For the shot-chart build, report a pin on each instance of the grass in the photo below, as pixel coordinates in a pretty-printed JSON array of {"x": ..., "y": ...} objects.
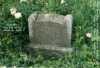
[{"x": 86, "y": 19}]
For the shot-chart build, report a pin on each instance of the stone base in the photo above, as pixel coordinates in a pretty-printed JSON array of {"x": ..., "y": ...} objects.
[{"x": 50, "y": 48}]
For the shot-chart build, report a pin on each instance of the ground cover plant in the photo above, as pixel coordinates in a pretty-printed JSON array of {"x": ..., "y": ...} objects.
[{"x": 85, "y": 38}]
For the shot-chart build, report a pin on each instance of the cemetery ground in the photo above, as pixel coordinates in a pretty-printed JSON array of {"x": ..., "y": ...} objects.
[{"x": 85, "y": 36}]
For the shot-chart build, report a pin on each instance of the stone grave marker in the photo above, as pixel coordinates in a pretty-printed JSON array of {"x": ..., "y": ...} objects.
[{"x": 50, "y": 32}]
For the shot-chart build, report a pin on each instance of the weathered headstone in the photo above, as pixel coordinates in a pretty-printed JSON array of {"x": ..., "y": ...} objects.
[{"x": 50, "y": 32}]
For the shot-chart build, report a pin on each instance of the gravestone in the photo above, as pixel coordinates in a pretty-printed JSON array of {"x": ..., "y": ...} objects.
[{"x": 50, "y": 32}]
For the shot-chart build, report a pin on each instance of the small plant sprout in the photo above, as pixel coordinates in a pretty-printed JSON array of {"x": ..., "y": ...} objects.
[
  {"x": 62, "y": 1},
  {"x": 23, "y": 1},
  {"x": 13, "y": 11},
  {"x": 88, "y": 35},
  {"x": 17, "y": 15}
]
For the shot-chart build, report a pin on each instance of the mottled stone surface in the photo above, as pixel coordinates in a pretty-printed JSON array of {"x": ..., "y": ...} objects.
[{"x": 50, "y": 31}]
